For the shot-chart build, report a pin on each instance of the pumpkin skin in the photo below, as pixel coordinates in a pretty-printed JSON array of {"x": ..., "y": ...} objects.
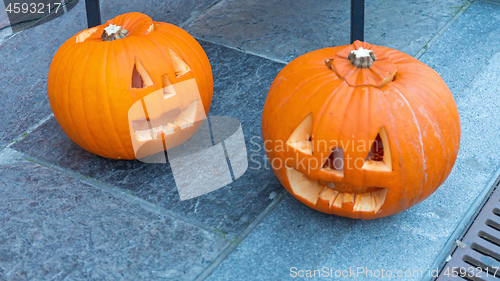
[
  {"x": 93, "y": 84},
  {"x": 314, "y": 108}
]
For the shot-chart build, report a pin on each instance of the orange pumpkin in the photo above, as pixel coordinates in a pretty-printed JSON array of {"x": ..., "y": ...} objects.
[
  {"x": 131, "y": 87},
  {"x": 360, "y": 131}
]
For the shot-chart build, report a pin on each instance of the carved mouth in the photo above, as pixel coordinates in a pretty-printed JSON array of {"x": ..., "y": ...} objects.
[
  {"x": 369, "y": 201},
  {"x": 171, "y": 121}
]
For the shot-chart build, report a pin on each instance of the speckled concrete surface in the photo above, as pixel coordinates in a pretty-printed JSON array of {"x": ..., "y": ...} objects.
[
  {"x": 56, "y": 227},
  {"x": 124, "y": 219},
  {"x": 284, "y": 31},
  {"x": 24, "y": 64},
  {"x": 171, "y": 11}
]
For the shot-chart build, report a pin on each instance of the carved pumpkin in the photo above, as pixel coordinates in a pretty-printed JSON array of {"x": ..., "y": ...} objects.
[
  {"x": 131, "y": 87},
  {"x": 360, "y": 131}
]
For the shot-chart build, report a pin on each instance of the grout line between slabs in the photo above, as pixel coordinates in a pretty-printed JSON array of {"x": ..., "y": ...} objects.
[
  {"x": 196, "y": 14},
  {"x": 443, "y": 30},
  {"x": 242, "y": 51},
  {"x": 419, "y": 54},
  {"x": 25, "y": 133},
  {"x": 222, "y": 256},
  {"x": 191, "y": 18}
]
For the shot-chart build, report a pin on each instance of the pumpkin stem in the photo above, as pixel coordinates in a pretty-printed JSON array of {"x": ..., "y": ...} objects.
[
  {"x": 362, "y": 58},
  {"x": 113, "y": 32}
]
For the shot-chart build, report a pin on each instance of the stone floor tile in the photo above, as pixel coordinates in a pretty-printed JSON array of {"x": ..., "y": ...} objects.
[
  {"x": 284, "y": 31},
  {"x": 57, "y": 227}
]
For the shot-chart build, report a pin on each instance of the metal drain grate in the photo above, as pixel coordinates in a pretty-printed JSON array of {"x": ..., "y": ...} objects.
[{"x": 477, "y": 254}]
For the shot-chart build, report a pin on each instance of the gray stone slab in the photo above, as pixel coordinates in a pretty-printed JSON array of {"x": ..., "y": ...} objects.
[
  {"x": 293, "y": 235},
  {"x": 283, "y": 31},
  {"x": 24, "y": 64},
  {"x": 462, "y": 51},
  {"x": 410, "y": 240},
  {"x": 171, "y": 11},
  {"x": 56, "y": 227},
  {"x": 241, "y": 84}
]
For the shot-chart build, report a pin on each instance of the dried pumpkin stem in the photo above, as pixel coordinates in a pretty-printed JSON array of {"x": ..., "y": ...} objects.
[
  {"x": 362, "y": 58},
  {"x": 113, "y": 32}
]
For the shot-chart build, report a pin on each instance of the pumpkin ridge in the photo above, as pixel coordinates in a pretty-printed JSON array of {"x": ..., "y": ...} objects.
[
  {"x": 114, "y": 131},
  {"x": 73, "y": 125},
  {"x": 320, "y": 84},
  {"x": 84, "y": 101},
  {"x": 298, "y": 87},
  {"x": 60, "y": 63},
  {"x": 320, "y": 119},
  {"x": 420, "y": 138},
  {"x": 324, "y": 82},
  {"x": 332, "y": 95},
  {"x": 437, "y": 96},
  {"x": 348, "y": 105},
  {"x": 438, "y": 129},
  {"x": 129, "y": 61}
]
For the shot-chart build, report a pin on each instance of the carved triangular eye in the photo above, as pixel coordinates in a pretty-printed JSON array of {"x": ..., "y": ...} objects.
[
  {"x": 379, "y": 156},
  {"x": 168, "y": 87},
  {"x": 335, "y": 162},
  {"x": 301, "y": 136},
  {"x": 140, "y": 77},
  {"x": 180, "y": 66}
]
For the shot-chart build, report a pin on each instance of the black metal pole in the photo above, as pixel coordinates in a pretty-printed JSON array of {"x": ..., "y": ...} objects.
[
  {"x": 357, "y": 20},
  {"x": 93, "y": 13}
]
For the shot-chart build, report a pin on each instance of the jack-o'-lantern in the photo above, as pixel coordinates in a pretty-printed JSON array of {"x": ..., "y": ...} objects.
[
  {"x": 131, "y": 87},
  {"x": 360, "y": 131}
]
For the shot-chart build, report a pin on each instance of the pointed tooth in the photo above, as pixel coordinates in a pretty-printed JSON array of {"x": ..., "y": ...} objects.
[
  {"x": 379, "y": 198},
  {"x": 374, "y": 203},
  {"x": 326, "y": 193},
  {"x": 339, "y": 200},
  {"x": 363, "y": 202},
  {"x": 302, "y": 186},
  {"x": 348, "y": 197},
  {"x": 332, "y": 199}
]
